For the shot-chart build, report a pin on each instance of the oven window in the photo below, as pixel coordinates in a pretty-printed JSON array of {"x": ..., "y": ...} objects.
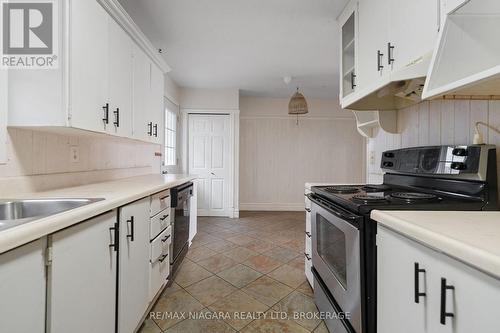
[{"x": 331, "y": 245}]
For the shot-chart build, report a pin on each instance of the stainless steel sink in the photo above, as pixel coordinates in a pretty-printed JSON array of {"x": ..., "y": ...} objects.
[{"x": 16, "y": 212}]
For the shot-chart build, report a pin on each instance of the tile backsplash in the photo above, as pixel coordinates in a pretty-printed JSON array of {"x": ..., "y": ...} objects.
[
  {"x": 437, "y": 122},
  {"x": 40, "y": 161}
]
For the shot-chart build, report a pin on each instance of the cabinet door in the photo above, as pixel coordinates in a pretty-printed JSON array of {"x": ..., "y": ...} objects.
[
  {"x": 133, "y": 282},
  {"x": 141, "y": 95},
  {"x": 397, "y": 310},
  {"x": 120, "y": 80},
  {"x": 348, "y": 48},
  {"x": 473, "y": 302},
  {"x": 413, "y": 30},
  {"x": 22, "y": 289},
  {"x": 88, "y": 65},
  {"x": 82, "y": 277},
  {"x": 373, "y": 23},
  {"x": 157, "y": 104}
]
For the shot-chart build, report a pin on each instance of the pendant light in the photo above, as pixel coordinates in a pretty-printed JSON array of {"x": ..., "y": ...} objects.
[{"x": 297, "y": 105}]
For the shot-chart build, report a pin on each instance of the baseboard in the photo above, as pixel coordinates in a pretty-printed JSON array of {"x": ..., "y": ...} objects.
[{"x": 287, "y": 207}]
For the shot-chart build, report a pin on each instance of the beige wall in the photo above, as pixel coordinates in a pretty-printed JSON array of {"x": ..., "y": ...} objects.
[
  {"x": 277, "y": 157},
  {"x": 40, "y": 161},
  {"x": 435, "y": 123}
]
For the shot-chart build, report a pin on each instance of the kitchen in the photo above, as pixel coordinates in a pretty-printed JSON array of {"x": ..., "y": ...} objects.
[{"x": 269, "y": 166}]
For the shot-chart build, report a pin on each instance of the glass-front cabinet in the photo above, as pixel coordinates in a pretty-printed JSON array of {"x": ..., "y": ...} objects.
[{"x": 348, "y": 49}]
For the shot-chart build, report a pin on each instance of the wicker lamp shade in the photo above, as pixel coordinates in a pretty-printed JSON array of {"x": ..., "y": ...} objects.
[{"x": 297, "y": 104}]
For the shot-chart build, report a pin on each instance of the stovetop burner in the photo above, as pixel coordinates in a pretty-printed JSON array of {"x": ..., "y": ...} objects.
[
  {"x": 376, "y": 188},
  {"x": 342, "y": 189},
  {"x": 368, "y": 199},
  {"x": 414, "y": 196}
]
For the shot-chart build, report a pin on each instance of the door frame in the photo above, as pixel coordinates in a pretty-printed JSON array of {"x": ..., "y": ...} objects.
[{"x": 234, "y": 151}]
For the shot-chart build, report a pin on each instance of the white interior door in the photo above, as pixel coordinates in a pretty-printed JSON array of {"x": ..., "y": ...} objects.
[{"x": 209, "y": 159}]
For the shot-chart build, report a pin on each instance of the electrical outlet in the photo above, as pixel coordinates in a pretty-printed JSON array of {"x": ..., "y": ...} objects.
[{"x": 74, "y": 154}]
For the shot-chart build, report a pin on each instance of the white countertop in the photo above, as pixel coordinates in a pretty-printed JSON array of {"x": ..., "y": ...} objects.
[
  {"x": 471, "y": 237},
  {"x": 115, "y": 194}
]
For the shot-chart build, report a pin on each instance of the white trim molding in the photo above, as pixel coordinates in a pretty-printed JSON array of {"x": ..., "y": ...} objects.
[
  {"x": 284, "y": 207},
  {"x": 116, "y": 10}
]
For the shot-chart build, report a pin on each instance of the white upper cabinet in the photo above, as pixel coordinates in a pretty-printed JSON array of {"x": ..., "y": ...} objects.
[
  {"x": 120, "y": 80},
  {"x": 348, "y": 49},
  {"x": 94, "y": 88}
]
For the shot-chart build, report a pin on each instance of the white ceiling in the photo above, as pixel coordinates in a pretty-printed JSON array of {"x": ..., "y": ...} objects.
[{"x": 246, "y": 44}]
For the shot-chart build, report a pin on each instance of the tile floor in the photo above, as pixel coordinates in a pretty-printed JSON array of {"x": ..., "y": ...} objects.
[{"x": 237, "y": 270}]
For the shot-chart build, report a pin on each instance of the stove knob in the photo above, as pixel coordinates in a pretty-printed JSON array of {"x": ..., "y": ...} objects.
[
  {"x": 388, "y": 164},
  {"x": 389, "y": 155},
  {"x": 459, "y": 151},
  {"x": 458, "y": 166}
]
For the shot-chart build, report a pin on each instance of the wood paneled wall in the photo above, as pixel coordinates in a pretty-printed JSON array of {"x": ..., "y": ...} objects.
[{"x": 435, "y": 123}]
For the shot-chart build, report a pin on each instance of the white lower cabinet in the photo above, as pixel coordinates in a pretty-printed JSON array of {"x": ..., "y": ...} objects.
[
  {"x": 308, "y": 241},
  {"x": 133, "y": 276},
  {"x": 22, "y": 289},
  {"x": 452, "y": 297},
  {"x": 82, "y": 277}
]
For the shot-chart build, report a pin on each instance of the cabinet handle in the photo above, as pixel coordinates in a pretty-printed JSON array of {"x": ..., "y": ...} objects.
[
  {"x": 155, "y": 130},
  {"x": 163, "y": 257},
  {"x": 117, "y": 117},
  {"x": 308, "y": 234},
  {"x": 307, "y": 256},
  {"x": 114, "y": 243},
  {"x": 163, "y": 217},
  {"x": 390, "y": 48},
  {"x": 418, "y": 294},
  {"x": 105, "y": 108},
  {"x": 308, "y": 210},
  {"x": 132, "y": 233},
  {"x": 379, "y": 61},
  {"x": 353, "y": 76},
  {"x": 164, "y": 239},
  {"x": 444, "y": 289},
  {"x": 150, "y": 128}
]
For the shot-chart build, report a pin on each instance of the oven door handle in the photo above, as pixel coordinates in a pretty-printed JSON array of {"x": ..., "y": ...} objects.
[{"x": 331, "y": 209}]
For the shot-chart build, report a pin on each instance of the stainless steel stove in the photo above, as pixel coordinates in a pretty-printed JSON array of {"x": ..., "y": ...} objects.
[{"x": 343, "y": 235}]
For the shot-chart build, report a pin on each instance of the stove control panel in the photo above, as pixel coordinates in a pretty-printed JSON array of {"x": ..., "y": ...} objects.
[{"x": 468, "y": 162}]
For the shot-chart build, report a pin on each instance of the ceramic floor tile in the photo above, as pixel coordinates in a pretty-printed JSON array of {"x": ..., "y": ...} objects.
[
  {"x": 202, "y": 323},
  {"x": 211, "y": 289},
  {"x": 260, "y": 246},
  {"x": 199, "y": 253},
  {"x": 226, "y": 234},
  {"x": 241, "y": 308},
  {"x": 306, "y": 289},
  {"x": 240, "y": 254},
  {"x": 321, "y": 328},
  {"x": 170, "y": 290},
  {"x": 190, "y": 273},
  {"x": 298, "y": 262},
  {"x": 262, "y": 263},
  {"x": 273, "y": 326},
  {"x": 239, "y": 275},
  {"x": 217, "y": 263},
  {"x": 204, "y": 238},
  {"x": 149, "y": 326},
  {"x": 288, "y": 275},
  {"x": 177, "y": 302},
  {"x": 267, "y": 290},
  {"x": 282, "y": 254},
  {"x": 299, "y": 303},
  {"x": 221, "y": 246},
  {"x": 296, "y": 245},
  {"x": 241, "y": 240}
]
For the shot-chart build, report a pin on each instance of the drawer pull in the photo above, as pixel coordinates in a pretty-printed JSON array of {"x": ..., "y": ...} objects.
[
  {"x": 164, "y": 239},
  {"x": 307, "y": 256},
  {"x": 165, "y": 197},
  {"x": 417, "y": 292},
  {"x": 132, "y": 233},
  {"x": 163, "y": 257},
  {"x": 308, "y": 234},
  {"x": 444, "y": 289},
  {"x": 308, "y": 210},
  {"x": 163, "y": 217}
]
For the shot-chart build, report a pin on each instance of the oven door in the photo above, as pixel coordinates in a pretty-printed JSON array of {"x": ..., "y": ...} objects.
[{"x": 336, "y": 255}]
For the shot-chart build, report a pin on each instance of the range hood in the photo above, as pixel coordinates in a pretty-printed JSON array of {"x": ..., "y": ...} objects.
[
  {"x": 397, "y": 90},
  {"x": 466, "y": 63}
]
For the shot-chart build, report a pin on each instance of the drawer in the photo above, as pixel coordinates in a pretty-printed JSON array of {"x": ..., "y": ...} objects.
[
  {"x": 325, "y": 305},
  {"x": 308, "y": 244},
  {"x": 159, "y": 272},
  {"x": 159, "y": 202},
  {"x": 308, "y": 221},
  {"x": 308, "y": 271},
  {"x": 159, "y": 222},
  {"x": 160, "y": 245}
]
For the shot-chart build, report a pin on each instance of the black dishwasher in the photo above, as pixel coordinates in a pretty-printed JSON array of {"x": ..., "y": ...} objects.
[{"x": 180, "y": 206}]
